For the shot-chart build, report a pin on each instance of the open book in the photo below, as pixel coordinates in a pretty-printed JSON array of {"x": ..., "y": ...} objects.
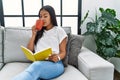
[{"x": 41, "y": 55}]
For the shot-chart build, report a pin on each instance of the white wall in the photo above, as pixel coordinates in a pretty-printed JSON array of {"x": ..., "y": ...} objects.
[{"x": 93, "y": 6}]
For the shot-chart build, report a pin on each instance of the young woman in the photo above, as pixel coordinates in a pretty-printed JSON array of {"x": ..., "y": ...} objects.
[{"x": 49, "y": 36}]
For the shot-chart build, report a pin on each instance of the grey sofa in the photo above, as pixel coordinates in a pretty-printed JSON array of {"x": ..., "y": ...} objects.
[{"x": 13, "y": 61}]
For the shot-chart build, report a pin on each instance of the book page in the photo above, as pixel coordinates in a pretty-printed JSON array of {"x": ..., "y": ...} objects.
[
  {"x": 42, "y": 55},
  {"x": 28, "y": 53}
]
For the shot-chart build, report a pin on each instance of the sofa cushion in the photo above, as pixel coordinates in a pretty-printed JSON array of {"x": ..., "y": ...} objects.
[
  {"x": 75, "y": 44},
  {"x": 65, "y": 60},
  {"x": 9, "y": 71},
  {"x": 1, "y": 43},
  {"x": 67, "y": 29},
  {"x": 13, "y": 39},
  {"x": 12, "y": 69},
  {"x": 116, "y": 62},
  {"x": 71, "y": 73}
]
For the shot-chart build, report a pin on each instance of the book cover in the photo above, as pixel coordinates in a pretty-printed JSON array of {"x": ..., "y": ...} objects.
[{"x": 41, "y": 55}]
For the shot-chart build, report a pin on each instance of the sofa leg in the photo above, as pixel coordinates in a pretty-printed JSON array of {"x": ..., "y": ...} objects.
[{"x": 116, "y": 75}]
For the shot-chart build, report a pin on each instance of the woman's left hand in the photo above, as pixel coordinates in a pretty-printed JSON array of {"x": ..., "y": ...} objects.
[{"x": 54, "y": 58}]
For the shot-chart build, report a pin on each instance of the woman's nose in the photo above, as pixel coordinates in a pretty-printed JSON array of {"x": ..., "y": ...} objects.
[{"x": 42, "y": 19}]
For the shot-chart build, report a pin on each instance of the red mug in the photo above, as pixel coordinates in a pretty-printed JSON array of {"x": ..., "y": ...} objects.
[{"x": 39, "y": 24}]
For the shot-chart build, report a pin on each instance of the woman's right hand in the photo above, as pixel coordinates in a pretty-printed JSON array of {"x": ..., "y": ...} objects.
[
  {"x": 34, "y": 31},
  {"x": 30, "y": 45}
]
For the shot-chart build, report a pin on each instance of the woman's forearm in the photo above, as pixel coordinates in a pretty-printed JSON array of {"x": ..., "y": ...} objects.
[{"x": 30, "y": 45}]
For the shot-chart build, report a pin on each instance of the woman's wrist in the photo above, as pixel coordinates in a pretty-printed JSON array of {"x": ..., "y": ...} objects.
[{"x": 58, "y": 57}]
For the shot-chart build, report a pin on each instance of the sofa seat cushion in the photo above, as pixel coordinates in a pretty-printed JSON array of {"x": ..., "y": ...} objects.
[
  {"x": 71, "y": 73},
  {"x": 12, "y": 69}
]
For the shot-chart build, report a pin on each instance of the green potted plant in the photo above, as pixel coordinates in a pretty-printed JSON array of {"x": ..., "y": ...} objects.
[{"x": 106, "y": 32}]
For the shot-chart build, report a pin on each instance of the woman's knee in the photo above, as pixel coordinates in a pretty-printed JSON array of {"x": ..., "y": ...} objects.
[
  {"x": 37, "y": 63},
  {"x": 34, "y": 66}
]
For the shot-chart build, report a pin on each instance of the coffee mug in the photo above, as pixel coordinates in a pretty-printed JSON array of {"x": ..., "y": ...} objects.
[{"x": 39, "y": 24}]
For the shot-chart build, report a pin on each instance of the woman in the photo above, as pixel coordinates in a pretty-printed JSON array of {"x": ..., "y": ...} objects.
[{"x": 49, "y": 36}]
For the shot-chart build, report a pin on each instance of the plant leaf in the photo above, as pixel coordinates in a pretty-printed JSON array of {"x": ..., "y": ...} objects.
[
  {"x": 118, "y": 53},
  {"x": 118, "y": 38},
  {"x": 101, "y": 9},
  {"x": 109, "y": 52},
  {"x": 91, "y": 27},
  {"x": 86, "y": 15}
]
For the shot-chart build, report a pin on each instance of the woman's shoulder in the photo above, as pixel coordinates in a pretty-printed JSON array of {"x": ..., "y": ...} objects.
[{"x": 59, "y": 28}]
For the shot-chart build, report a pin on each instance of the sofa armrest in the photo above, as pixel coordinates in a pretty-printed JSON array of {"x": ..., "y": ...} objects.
[
  {"x": 93, "y": 66},
  {"x": 1, "y": 65}
]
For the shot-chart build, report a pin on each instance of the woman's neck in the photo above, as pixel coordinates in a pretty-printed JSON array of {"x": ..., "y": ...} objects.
[{"x": 49, "y": 27}]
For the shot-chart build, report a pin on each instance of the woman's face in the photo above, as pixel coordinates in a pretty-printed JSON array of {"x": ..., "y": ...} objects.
[{"x": 45, "y": 16}]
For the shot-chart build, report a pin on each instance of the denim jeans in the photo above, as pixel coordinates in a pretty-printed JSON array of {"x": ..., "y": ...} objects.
[{"x": 41, "y": 70}]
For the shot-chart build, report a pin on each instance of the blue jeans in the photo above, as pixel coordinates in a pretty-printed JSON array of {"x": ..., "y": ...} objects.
[{"x": 41, "y": 70}]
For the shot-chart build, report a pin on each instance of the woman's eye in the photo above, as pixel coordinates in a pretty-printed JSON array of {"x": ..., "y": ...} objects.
[{"x": 45, "y": 16}]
